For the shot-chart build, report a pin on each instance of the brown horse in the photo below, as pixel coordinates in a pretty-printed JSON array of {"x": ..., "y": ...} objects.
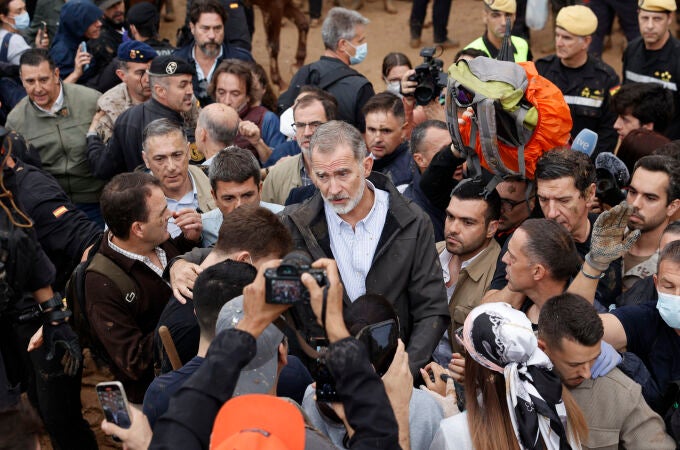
[{"x": 273, "y": 12}]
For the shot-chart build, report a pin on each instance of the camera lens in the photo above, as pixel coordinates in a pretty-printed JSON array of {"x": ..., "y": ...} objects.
[{"x": 424, "y": 92}]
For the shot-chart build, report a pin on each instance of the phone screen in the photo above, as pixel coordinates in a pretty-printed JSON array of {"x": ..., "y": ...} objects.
[{"x": 114, "y": 404}]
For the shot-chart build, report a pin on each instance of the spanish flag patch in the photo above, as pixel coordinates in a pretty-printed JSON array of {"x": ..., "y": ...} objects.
[{"x": 59, "y": 211}]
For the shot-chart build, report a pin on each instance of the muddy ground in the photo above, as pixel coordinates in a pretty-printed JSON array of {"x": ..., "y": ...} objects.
[{"x": 386, "y": 33}]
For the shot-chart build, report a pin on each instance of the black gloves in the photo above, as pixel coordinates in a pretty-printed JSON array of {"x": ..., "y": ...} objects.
[{"x": 57, "y": 333}]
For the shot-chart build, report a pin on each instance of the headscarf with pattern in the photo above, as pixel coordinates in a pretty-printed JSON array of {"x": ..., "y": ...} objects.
[{"x": 501, "y": 339}]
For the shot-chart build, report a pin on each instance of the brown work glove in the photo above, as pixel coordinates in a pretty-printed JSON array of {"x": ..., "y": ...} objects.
[{"x": 609, "y": 239}]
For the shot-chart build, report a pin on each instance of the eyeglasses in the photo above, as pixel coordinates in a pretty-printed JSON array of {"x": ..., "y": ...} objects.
[
  {"x": 509, "y": 205},
  {"x": 312, "y": 125}
]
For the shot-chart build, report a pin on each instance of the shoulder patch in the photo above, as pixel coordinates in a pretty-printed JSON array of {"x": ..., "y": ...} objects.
[{"x": 59, "y": 211}]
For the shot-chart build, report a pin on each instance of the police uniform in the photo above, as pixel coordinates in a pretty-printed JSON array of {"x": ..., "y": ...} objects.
[
  {"x": 25, "y": 268},
  {"x": 123, "y": 152},
  {"x": 117, "y": 99},
  {"x": 587, "y": 89},
  {"x": 64, "y": 232},
  {"x": 656, "y": 66},
  {"x": 520, "y": 47}
]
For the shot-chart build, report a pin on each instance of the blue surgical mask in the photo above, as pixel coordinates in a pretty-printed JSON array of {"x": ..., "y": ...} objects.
[
  {"x": 669, "y": 308},
  {"x": 22, "y": 21},
  {"x": 359, "y": 55}
]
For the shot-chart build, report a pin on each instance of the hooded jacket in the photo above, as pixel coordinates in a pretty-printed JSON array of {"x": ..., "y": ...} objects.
[{"x": 75, "y": 18}]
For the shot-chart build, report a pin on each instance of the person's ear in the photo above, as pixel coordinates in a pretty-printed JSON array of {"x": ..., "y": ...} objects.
[
  {"x": 242, "y": 256},
  {"x": 212, "y": 192},
  {"x": 655, "y": 277},
  {"x": 137, "y": 230},
  {"x": 673, "y": 207},
  {"x": 648, "y": 126},
  {"x": 590, "y": 193},
  {"x": 368, "y": 166},
  {"x": 541, "y": 345},
  {"x": 419, "y": 160},
  {"x": 145, "y": 157},
  {"x": 283, "y": 355},
  {"x": 491, "y": 229},
  {"x": 538, "y": 272},
  {"x": 120, "y": 74}
]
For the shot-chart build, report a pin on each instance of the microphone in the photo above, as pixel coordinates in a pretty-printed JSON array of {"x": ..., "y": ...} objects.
[{"x": 585, "y": 142}]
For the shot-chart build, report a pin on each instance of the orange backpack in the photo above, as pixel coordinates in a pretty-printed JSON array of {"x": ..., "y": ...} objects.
[{"x": 518, "y": 115}]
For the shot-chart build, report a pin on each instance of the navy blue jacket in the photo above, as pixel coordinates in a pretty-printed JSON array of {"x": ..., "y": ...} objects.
[
  {"x": 228, "y": 52},
  {"x": 75, "y": 18}
]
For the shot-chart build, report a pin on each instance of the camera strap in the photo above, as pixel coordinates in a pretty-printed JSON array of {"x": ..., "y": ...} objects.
[{"x": 284, "y": 322}]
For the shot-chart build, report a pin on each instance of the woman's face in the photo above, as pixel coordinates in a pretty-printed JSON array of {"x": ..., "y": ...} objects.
[{"x": 396, "y": 73}]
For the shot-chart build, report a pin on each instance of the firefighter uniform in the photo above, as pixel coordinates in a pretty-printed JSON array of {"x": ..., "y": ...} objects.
[
  {"x": 587, "y": 89},
  {"x": 656, "y": 66}
]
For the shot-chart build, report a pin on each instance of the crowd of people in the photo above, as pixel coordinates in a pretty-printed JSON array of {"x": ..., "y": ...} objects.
[{"x": 339, "y": 267}]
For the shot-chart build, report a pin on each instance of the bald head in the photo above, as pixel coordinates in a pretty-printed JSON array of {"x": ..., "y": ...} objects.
[{"x": 216, "y": 128}]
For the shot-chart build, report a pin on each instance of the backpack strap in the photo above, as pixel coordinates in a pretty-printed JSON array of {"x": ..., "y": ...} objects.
[
  {"x": 4, "y": 47},
  {"x": 105, "y": 266}
]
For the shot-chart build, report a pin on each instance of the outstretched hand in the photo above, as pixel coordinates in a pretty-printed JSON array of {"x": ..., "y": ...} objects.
[{"x": 610, "y": 238}]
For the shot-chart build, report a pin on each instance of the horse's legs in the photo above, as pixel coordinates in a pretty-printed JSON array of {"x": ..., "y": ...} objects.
[{"x": 302, "y": 24}]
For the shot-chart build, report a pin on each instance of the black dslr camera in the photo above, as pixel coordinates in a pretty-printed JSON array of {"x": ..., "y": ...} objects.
[
  {"x": 284, "y": 287},
  {"x": 430, "y": 77}
]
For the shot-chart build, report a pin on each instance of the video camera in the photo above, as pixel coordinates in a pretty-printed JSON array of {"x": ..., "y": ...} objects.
[{"x": 430, "y": 77}]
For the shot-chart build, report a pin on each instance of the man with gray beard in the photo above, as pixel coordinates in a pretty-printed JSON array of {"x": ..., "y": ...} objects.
[{"x": 382, "y": 243}]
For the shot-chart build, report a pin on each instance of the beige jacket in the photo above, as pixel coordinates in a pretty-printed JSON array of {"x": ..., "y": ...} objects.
[
  {"x": 473, "y": 281},
  {"x": 618, "y": 416},
  {"x": 206, "y": 202},
  {"x": 283, "y": 177}
]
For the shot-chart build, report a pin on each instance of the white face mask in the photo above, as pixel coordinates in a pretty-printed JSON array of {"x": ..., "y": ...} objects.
[
  {"x": 394, "y": 87},
  {"x": 668, "y": 306}
]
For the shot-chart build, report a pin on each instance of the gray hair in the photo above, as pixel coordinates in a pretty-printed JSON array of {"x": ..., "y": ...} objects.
[
  {"x": 218, "y": 129},
  {"x": 340, "y": 23},
  {"x": 161, "y": 127},
  {"x": 330, "y": 135},
  {"x": 155, "y": 80},
  {"x": 234, "y": 164}
]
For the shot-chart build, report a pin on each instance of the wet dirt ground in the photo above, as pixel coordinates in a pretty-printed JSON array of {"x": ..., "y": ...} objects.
[{"x": 386, "y": 33}]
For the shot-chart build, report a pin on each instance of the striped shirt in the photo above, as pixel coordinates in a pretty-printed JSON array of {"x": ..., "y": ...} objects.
[{"x": 353, "y": 249}]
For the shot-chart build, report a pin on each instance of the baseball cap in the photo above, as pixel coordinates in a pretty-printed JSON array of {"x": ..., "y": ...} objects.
[
  {"x": 259, "y": 376},
  {"x": 508, "y": 6},
  {"x": 577, "y": 19},
  {"x": 258, "y": 422}
]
